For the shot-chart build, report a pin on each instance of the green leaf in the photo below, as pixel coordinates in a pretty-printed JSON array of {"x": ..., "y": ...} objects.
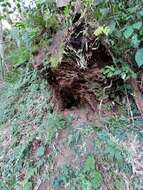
[
  {"x": 30, "y": 173},
  {"x": 27, "y": 186},
  {"x": 97, "y": 13},
  {"x": 123, "y": 75},
  {"x": 96, "y": 180},
  {"x": 135, "y": 41},
  {"x": 137, "y": 25},
  {"x": 40, "y": 151},
  {"x": 86, "y": 185},
  {"x": 1, "y": 17},
  {"x": 141, "y": 12},
  {"x": 139, "y": 57},
  {"x": 19, "y": 56},
  {"x": 128, "y": 32},
  {"x": 112, "y": 26},
  {"x": 66, "y": 11},
  {"x": 89, "y": 164}
]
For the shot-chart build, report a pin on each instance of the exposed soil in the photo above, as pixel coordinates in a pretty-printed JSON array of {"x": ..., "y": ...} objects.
[
  {"x": 70, "y": 81},
  {"x": 75, "y": 84},
  {"x": 83, "y": 60}
]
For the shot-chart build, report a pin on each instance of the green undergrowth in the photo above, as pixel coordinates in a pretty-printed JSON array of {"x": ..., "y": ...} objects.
[
  {"x": 106, "y": 159},
  {"x": 25, "y": 113},
  {"x": 39, "y": 146},
  {"x": 88, "y": 177},
  {"x": 30, "y": 144}
]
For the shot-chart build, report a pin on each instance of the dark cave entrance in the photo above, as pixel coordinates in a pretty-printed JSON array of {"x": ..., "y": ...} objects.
[
  {"x": 68, "y": 99},
  {"x": 70, "y": 81}
]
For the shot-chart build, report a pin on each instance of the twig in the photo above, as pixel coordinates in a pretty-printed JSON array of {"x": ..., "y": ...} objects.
[
  {"x": 38, "y": 184},
  {"x": 130, "y": 109},
  {"x": 101, "y": 102}
]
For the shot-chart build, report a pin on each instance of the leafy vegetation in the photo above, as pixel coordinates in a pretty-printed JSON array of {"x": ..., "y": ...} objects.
[
  {"x": 87, "y": 178},
  {"x": 59, "y": 63}
]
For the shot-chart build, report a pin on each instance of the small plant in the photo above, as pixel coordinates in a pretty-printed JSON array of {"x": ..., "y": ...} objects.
[
  {"x": 124, "y": 72},
  {"x": 87, "y": 178},
  {"x": 12, "y": 76},
  {"x": 90, "y": 177},
  {"x": 31, "y": 132},
  {"x": 139, "y": 57},
  {"x": 101, "y": 30},
  {"x": 19, "y": 56}
]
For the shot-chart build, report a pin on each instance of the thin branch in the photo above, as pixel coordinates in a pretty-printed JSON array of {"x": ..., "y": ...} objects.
[{"x": 101, "y": 102}]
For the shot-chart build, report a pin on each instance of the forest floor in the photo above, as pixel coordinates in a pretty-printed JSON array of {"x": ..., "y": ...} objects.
[
  {"x": 70, "y": 128},
  {"x": 77, "y": 148}
]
